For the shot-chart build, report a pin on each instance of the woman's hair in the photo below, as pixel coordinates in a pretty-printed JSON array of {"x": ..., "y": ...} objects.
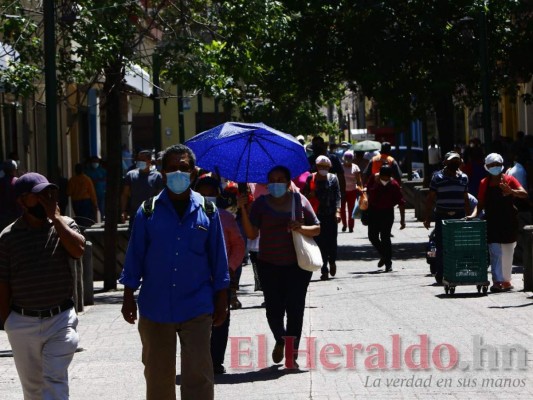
[
  {"x": 178, "y": 149},
  {"x": 284, "y": 170}
]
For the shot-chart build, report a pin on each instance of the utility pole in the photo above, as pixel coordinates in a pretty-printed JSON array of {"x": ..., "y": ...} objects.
[
  {"x": 50, "y": 88},
  {"x": 157, "y": 102},
  {"x": 485, "y": 77}
]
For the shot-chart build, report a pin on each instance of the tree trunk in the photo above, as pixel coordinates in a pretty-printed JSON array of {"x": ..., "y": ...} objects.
[
  {"x": 113, "y": 83},
  {"x": 444, "y": 110}
]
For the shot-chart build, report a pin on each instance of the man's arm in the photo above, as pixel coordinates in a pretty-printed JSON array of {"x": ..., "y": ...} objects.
[
  {"x": 71, "y": 240},
  {"x": 218, "y": 261}
]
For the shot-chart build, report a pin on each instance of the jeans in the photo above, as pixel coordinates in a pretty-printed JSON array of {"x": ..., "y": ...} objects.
[
  {"x": 379, "y": 230},
  {"x": 43, "y": 350},
  {"x": 159, "y": 358},
  {"x": 348, "y": 202},
  {"x": 284, "y": 288},
  {"x": 501, "y": 261}
]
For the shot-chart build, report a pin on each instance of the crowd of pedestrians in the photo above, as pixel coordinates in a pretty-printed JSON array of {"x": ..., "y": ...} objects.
[{"x": 191, "y": 231}]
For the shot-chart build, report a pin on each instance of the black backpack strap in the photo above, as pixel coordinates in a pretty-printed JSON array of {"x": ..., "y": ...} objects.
[
  {"x": 148, "y": 207},
  {"x": 208, "y": 206}
]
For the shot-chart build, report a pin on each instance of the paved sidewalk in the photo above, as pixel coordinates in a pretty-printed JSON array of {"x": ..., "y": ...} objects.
[{"x": 371, "y": 312}]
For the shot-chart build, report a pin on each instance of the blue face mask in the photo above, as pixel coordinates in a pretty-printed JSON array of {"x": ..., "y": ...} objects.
[
  {"x": 140, "y": 164},
  {"x": 178, "y": 182},
  {"x": 277, "y": 189},
  {"x": 495, "y": 170}
]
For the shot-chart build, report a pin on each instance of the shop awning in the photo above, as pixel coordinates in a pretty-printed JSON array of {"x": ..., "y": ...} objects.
[{"x": 138, "y": 79}]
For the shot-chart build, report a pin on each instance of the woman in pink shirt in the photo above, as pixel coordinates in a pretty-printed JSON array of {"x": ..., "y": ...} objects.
[{"x": 209, "y": 187}]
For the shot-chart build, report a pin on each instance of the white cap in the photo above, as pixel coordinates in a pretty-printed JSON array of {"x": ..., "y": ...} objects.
[{"x": 493, "y": 158}]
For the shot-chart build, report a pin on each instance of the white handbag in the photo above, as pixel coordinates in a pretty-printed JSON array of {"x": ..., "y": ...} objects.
[{"x": 307, "y": 251}]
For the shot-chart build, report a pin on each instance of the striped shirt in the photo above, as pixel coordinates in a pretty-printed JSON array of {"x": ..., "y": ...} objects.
[
  {"x": 275, "y": 244},
  {"x": 450, "y": 190},
  {"x": 35, "y": 265}
]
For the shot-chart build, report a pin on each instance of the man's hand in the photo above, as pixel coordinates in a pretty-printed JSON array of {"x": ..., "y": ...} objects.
[
  {"x": 242, "y": 201},
  {"x": 129, "y": 310},
  {"x": 338, "y": 216},
  {"x": 427, "y": 223},
  {"x": 221, "y": 308},
  {"x": 506, "y": 189},
  {"x": 123, "y": 217},
  {"x": 49, "y": 202}
]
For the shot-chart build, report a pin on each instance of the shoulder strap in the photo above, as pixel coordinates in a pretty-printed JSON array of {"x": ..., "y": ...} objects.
[
  {"x": 148, "y": 206},
  {"x": 209, "y": 207}
]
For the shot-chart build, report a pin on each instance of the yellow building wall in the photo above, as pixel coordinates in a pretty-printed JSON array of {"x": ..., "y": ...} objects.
[
  {"x": 509, "y": 116},
  {"x": 169, "y": 114}
]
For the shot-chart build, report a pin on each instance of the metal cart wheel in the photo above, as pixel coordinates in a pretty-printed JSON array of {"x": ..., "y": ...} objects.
[
  {"x": 446, "y": 289},
  {"x": 452, "y": 290},
  {"x": 485, "y": 290},
  {"x": 479, "y": 288}
]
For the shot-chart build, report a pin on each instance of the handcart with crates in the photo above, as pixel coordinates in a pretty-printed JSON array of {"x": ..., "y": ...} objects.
[{"x": 465, "y": 254}]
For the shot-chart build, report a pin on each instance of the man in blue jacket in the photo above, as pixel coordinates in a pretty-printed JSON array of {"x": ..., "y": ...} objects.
[{"x": 177, "y": 256}]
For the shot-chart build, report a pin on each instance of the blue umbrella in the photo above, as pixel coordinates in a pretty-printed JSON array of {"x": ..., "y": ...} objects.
[{"x": 244, "y": 152}]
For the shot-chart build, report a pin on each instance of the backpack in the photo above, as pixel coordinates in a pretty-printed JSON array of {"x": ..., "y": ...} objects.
[
  {"x": 379, "y": 161},
  {"x": 149, "y": 205}
]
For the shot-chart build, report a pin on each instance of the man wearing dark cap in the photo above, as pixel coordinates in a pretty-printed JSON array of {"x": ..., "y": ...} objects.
[
  {"x": 383, "y": 195},
  {"x": 447, "y": 199},
  {"x": 36, "y": 288}
]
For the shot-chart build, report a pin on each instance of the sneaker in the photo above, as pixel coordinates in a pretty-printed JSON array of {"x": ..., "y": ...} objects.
[
  {"x": 324, "y": 277},
  {"x": 506, "y": 286},
  {"x": 351, "y": 230},
  {"x": 219, "y": 369},
  {"x": 293, "y": 366},
  {"x": 332, "y": 268},
  {"x": 277, "y": 353},
  {"x": 388, "y": 268},
  {"x": 496, "y": 288},
  {"x": 344, "y": 228},
  {"x": 235, "y": 304},
  {"x": 381, "y": 262}
]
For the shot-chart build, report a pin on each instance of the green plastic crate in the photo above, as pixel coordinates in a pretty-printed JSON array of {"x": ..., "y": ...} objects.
[{"x": 465, "y": 253}]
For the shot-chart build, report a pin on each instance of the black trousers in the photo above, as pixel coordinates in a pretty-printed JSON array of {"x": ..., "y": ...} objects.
[
  {"x": 284, "y": 288},
  {"x": 219, "y": 339},
  {"x": 379, "y": 230},
  {"x": 327, "y": 239}
]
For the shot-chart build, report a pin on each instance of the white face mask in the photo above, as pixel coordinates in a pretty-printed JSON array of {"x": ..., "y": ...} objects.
[
  {"x": 323, "y": 172},
  {"x": 384, "y": 183}
]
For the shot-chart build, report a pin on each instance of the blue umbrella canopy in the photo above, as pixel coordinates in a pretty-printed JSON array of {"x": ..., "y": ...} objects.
[{"x": 245, "y": 152}]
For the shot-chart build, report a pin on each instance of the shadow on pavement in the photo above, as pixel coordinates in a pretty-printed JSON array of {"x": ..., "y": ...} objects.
[
  {"x": 460, "y": 295},
  {"x": 266, "y": 374},
  {"x": 520, "y": 306},
  {"x": 108, "y": 298},
  {"x": 400, "y": 251}
]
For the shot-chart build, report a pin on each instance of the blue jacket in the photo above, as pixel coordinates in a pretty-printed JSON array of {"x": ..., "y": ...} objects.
[{"x": 179, "y": 263}]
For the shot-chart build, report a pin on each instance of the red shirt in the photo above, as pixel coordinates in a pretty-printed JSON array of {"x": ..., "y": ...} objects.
[
  {"x": 510, "y": 180},
  {"x": 384, "y": 197}
]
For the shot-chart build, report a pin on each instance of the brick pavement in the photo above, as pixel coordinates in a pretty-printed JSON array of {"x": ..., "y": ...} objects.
[{"x": 361, "y": 306}]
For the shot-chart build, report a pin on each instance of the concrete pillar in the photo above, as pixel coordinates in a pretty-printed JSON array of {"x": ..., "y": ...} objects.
[
  {"x": 88, "y": 283},
  {"x": 528, "y": 258}
]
